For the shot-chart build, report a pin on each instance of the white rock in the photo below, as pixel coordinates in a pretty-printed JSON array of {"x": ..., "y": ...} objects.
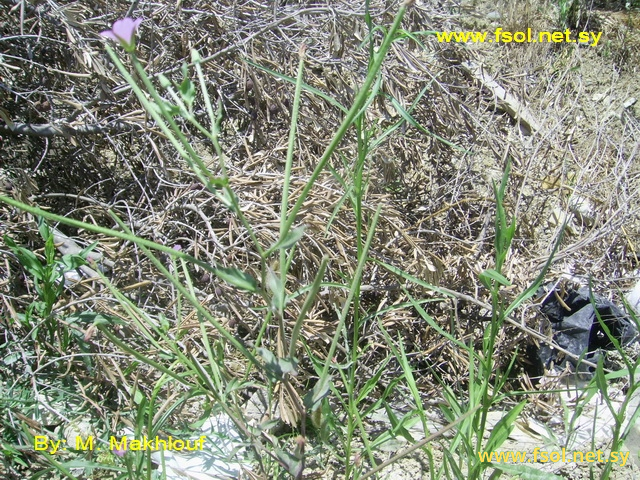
[
  {"x": 633, "y": 298},
  {"x": 214, "y": 460}
]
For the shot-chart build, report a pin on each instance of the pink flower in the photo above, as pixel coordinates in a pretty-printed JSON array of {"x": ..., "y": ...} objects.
[
  {"x": 118, "y": 452},
  {"x": 123, "y": 32}
]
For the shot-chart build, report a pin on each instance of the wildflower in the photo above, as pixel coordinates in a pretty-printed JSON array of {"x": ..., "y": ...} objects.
[
  {"x": 123, "y": 31},
  {"x": 119, "y": 451}
]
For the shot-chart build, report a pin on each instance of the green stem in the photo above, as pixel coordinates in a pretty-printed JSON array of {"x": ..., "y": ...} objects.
[{"x": 353, "y": 112}]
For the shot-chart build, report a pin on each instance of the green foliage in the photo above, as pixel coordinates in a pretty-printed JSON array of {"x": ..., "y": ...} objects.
[
  {"x": 48, "y": 277},
  {"x": 338, "y": 402},
  {"x": 568, "y": 11},
  {"x": 626, "y": 415},
  {"x": 277, "y": 368},
  {"x": 210, "y": 379},
  {"x": 48, "y": 274}
]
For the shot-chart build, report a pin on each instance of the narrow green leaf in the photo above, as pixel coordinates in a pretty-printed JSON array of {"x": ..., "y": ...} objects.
[
  {"x": 27, "y": 258},
  {"x": 414, "y": 123},
  {"x": 85, "y": 251},
  {"x": 294, "y": 465},
  {"x": 328, "y": 98},
  {"x": 603, "y": 387},
  {"x": 11, "y": 358},
  {"x": 399, "y": 426},
  {"x": 451, "y": 462},
  {"x": 43, "y": 228},
  {"x": 71, "y": 262},
  {"x": 188, "y": 91},
  {"x": 312, "y": 297},
  {"x": 491, "y": 274},
  {"x": 226, "y": 196},
  {"x": 277, "y": 368},
  {"x": 373, "y": 382},
  {"x": 601, "y": 381},
  {"x": 321, "y": 389},
  {"x": 495, "y": 475},
  {"x": 503, "y": 428},
  {"x": 166, "y": 109},
  {"x": 237, "y": 278},
  {"x": 290, "y": 239},
  {"x": 288, "y": 365}
]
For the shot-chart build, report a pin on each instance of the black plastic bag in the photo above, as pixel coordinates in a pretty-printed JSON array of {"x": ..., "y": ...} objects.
[{"x": 578, "y": 330}]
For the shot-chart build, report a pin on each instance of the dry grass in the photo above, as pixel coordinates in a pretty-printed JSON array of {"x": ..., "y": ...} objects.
[{"x": 437, "y": 204}]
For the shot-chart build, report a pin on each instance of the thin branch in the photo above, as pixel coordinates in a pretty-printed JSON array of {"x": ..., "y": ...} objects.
[{"x": 51, "y": 130}]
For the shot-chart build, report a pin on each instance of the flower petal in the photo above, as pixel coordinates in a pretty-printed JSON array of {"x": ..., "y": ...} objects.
[
  {"x": 118, "y": 452},
  {"x": 109, "y": 34},
  {"x": 126, "y": 28}
]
